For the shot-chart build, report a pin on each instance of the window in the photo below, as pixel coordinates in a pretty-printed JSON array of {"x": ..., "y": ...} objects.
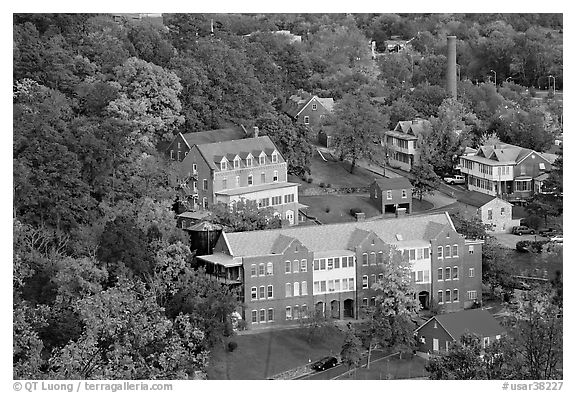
[
  {"x": 304, "y": 311},
  {"x": 236, "y": 162},
  {"x": 306, "y": 119},
  {"x": 288, "y": 289},
  {"x": 314, "y": 107},
  {"x": 330, "y": 285},
  {"x": 420, "y": 253},
  {"x": 440, "y": 274},
  {"x": 195, "y": 186},
  {"x": 380, "y": 258},
  {"x": 344, "y": 261},
  {"x": 322, "y": 286},
  {"x": 447, "y": 299},
  {"x": 204, "y": 202},
  {"x": 412, "y": 255},
  {"x": 171, "y": 154},
  {"x": 426, "y": 253},
  {"x": 388, "y": 194},
  {"x": 485, "y": 342},
  {"x": 490, "y": 214},
  {"x": 288, "y": 313},
  {"x": 303, "y": 265},
  {"x": 237, "y": 181},
  {"x": 262, "y": 178},
  {"x": 224, "y": 184},
  {"x": 316, "y": 287},
  {"x": 288, "y": 198},
  {"x": 262, "y": 293},
  {"x": 296, "y": 288},
  {"x": 304, "y": 288},
  {"x": 178, "y": 154},
  {"x": 261, "y": 269},
  {"x": 275, "y": 178},
  {"x": 254, "y": 293},
  {"x": 439, "y": 252},
  {"x": 455, "y": 295},
  {"x": 472, "y": 295},
  {"x": 270, "y": 314},
  {"x": 373, "y": 278},
  {"x": 372, "y": 258},
  {"x": 364, "y": 282},
  {"x": 322, "y": 264},
  {"x": 364, "y": 259},
  {"x": 337, "y": 285},
  {"x": 205, "y": 184},
  {"x": 455, "y": 251},
  {"x": 426, "y": 276},
  {"x": 269, "y": 269},
  {"x": 287, "y": 267},
  {"x": 447, "y": 273},
  {"x": 250, "y": 180},
  {"x": 345, "y": 284},
  {"x": 277, "y": 200},
  {"x": 262, "y": 159},
  {"x": 295, "y": 265},
  {"x": 470, "y": 249},
  {"x": 447, "y": 253},
  {"x": 502, "y": 211},
  {"x": 336, "y": 263},
  {"x": 253, "y": 272},
  {"x": 372, "y": 301},
  {"x": 275, "y": 157},
  {"x": 455, "y": 273},
  {"x": 351, "y": 284},
  {"x": 419, "y": 276},
  {"x": 223, "y": 165},
  {"x": 381, "y": 277},
  {"x": 440, "y": 297},
  {"x": 248, "y": 161},
  {"x": 330, "y": 263},
  {"x": 254, "y": 316},
  {"x": 316, "y": 264},
  {"x": 296, "y": 312},
  {"x": 471, "y": 272},
  {"x": 404, "y": 194},
  {"x": 365, "y": 302}
]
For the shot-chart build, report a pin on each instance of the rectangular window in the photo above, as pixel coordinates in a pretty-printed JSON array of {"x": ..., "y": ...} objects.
[
  {"x": 336, "y": 263},
  {"x": 440, "y": 274},
  {"x": 455, "y": 273},
  {"x": 471, "y": 272},
  {"x": 420, "y": 253},
  {"x": 205, "y": 184},
  {"x": 223, "y": 165},
  {"x": 455, "y": 295},
  {"x": 365, "y": 302},
  {"x": 447, "y": 254},
  {"x": 419, "y": 276},
  {"x": 270, "y": 291},
  {"x": 250, "y": 180},
  {"x": 472, "y": 295},
  {"x": 262, "y": 159},
  {"x": 269, "y": 269},
  {"x": 288, "y": 198},
  {"x": 275, "y": 178},
  {"x": 236, "y": 163},
  {"x": 404, "y": 194},
  {"x": 277, "y": 200},
  {"x": 224, "y": 184},
  {"x": 296, "y": 288},
  {"x": 351, "y": 284},
  {"x": 254, "y": 293},
  {"x": 178, "y": 154},
  {"x": 261, "y": 270},
  {"x": 412, "y": 254},
  {"x": 470, "y": 249},
  {"x": 296, "y": 312},
  {"x": 303, "y": 265},
  {"x": 295, "y": 265},
  {"x": 316, "y": 287},
  {"x": 314, "y": 107},
  {"x": 330, "y": 263},
  {"x": 288, "y": 289},
  {"x": 455, "y": 251},
  {"x": 171, "y": 154},
  {"x": 322, "y": 264},
  {"x": 306, "y": 119},
  {"x": 194, "y": 168},
  {"x": 345, "y": 284},
  {"x": 330, "y": 285},
  {"x": 344, "y": 262},
  {"x": 288, "y": 313},
  {"x": 337, "y": 285},
  {"x": 287, "y": 267},
  {"x": 440, "y": 297},
  {"x": 439, "y": 252},
  {"x": 388, "y": 194},
  {"x": 304, "y": 311},
  {"x": 380, "y": 258},
  {"x": 350, "y": 261},
  {"x": 270, "y": 314},
  {"x": 262, "y": 178},
  {"x": 254, "y": 316},
  {"x": 365, "y": 259},
  {"x": 253, "y": 272},
  {"x": 502, "y": 211},
  {"x": 322, "y": 286},
  {"x": 448, "y": 299},
  {"x": 316, "y": 264},
  {"x": 195, "y": 186},
  {"x": 364, "y": 282},
  {"x": 262, "y": 293},
  {"x": 237, "y": 181},
  {"x": 372, "y": 258},
  {"x": 304, "y": 288},
  {"x": 490, "y": 214},
  {"x": 426, "y": 276},
  {"x": 426, "y": 253},
  {"x": 447, "y": 274}
]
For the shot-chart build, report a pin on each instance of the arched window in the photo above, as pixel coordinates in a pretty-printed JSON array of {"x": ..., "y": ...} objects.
[
  {"x": 296, "y": 288},
  {"x": 288, "y": 289},
  {"x": 372, "y": 258}
]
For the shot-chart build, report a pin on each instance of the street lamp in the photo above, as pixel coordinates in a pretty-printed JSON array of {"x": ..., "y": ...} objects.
[
  {"x": 554, "y": 88},
  {"x": 494, "y": 75}
]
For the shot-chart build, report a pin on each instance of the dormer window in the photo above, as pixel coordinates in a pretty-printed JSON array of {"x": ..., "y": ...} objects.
[
  {"x": 236, "y": 162},
  {"x": 262, "y": 158},
  {"x": 249, "y": 161},
  {"x": 275, "y": 157},
  {"x": 223, "y": 164}
]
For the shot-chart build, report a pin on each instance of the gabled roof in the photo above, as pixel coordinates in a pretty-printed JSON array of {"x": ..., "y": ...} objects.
[
  {"x": 297, "y": 102},
  {"x": 504, "y": 153},
  {"x": 356, "y": 237},
  {"x": 281, "y": 244},
  {"x": 219, "y": 135},
  {"x": 476, "y": 321},
  {"x": 335, "y": 236},
  {"x": 413, "y": 127},
  {"x": 394, "y": 183},
  {"x": 475, "y": 198},
  {"x": 213, "y": 152}
]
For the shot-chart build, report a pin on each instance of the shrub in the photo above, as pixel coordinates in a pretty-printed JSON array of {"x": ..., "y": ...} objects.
[
  {"x": 242, "y": 324},
  {"x": 322, "y": 184},
  {"x": 532, "y": 221},
  {"x": 532, "y": 91},
  {"x": 355, "y": 210},
  {"x": 309, "y": 180},
  {"x": 328, "y": 185},
  {"x": 327, "y": 209},
  {"x": 232, "y": 345}
]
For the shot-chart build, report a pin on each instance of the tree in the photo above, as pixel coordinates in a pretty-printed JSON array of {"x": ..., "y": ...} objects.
[
  {"x": 470, "y": 228},
  {"x": 351, "y": 349},
  {"x": 496, "y": 271},
  {"x": 549, "y": 202},
  {"x": 244, "y": 215},
  {"x": 357, "y": 125},
  {"x": 424, "y": 179}
]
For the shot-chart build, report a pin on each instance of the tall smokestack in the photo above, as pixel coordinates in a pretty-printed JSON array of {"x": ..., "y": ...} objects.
[{"x": 451, "y": 71}]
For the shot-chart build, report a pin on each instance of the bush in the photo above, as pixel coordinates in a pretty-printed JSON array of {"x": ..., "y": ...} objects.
[
  {"x": 327, "y": 209},
  {"x": 532, "y": 221},
  {"x": 309, "y": 180},
  {"x": 355, "y": 210},
  {"x": 322, "y": 185},
  {"x": 328, "y": 185},
  {"x": 232, "y": 345},
  {"x": 532, "y": 91},
  {"x": 530, "y": 245},
  {"x": 242, "y": 324}
]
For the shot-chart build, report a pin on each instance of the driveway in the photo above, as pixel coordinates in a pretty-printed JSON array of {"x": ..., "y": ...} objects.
[{"x": 508, "y": 240}]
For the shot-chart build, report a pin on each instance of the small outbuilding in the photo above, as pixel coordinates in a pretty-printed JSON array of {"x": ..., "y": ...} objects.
[
  {"x": 493, "y": 211},
  {"x": 392, "y": 194}
]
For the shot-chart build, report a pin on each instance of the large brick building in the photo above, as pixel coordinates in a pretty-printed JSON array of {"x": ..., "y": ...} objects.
[
  {"x": 308, "y": 109},
  {"x": 250, "y": 168},
  {"x": 285, "y": 274}
]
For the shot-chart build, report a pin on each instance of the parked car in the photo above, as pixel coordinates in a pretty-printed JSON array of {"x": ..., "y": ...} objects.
[
  {"x": 522, "y": 230},
  {"x": 548, "y": 232},
  {"x": 325, "y": 363},
  {"x": 557, "y": 238},
  {"x": 455, "y": 179}
]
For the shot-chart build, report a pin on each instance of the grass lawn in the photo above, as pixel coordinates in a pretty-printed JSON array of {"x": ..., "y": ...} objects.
[
  {"x": 391, "y": 368},
  {"x": 337, "y": 173},
  {"x": 262, "y": 355}
]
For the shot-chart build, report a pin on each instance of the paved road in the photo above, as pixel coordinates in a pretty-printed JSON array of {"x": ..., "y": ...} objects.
[{"x": 340, "y": 369}]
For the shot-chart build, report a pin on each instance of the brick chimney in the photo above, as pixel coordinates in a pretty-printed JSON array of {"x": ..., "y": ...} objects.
[
  {"x": 255, "y": 132},
  {"x": 451, "y": 70}
]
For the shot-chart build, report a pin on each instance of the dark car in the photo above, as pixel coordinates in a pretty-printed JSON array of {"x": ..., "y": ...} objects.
[
  {"x": 522, "y": 230},
  {"x": 325, "y": 363},
  {"x": 548, "y": 232}
]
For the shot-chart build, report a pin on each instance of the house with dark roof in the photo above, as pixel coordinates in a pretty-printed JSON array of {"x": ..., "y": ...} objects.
[
  {"x": 286, "y": 274},
  {"x": 495, "y": 212},
  {"x": 505, "y": 170},
  {"x": 402, "y": 144},
  {"x": 439, "y": 332},
  {"x": 182, "y": 143},
  {"x": 250, "y": 168},
  {"x": 308, "y": 109},
  {"x": 392, "y": 194}
]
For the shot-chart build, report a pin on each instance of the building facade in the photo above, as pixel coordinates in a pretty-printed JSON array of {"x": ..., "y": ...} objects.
[
  {"x": 504, "y": 170},
  {"x": 494, "y": 212},
  {"x": 392, "y": 194},
  {"x": 292, "y": 273},
  {"x": 308, "y": 109},
  {"x": 402, "y": 144},
  {"x": 180, "y": 146},
  {"x": 250, "y": 168}
]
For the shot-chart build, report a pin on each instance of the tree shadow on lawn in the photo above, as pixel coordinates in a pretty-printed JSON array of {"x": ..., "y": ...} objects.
[
  {"x": 337, "y": 173},
  {"x": 335, "y": 208},
  {"x": 391, "y": 368},
  {"x": 262, "y": 355}
]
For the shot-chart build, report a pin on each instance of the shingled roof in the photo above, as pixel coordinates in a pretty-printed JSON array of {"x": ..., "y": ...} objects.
[
  {"x": 212, "y": 136},
  {"x": 475, "y": 198},
  {"x": 296, "y": 102},
  {"x": 213, "y": 152},
  {"x": 393, "y": 183},
  {"x": 476, "y": 321},
  {"x": 336, "y": 236}
]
